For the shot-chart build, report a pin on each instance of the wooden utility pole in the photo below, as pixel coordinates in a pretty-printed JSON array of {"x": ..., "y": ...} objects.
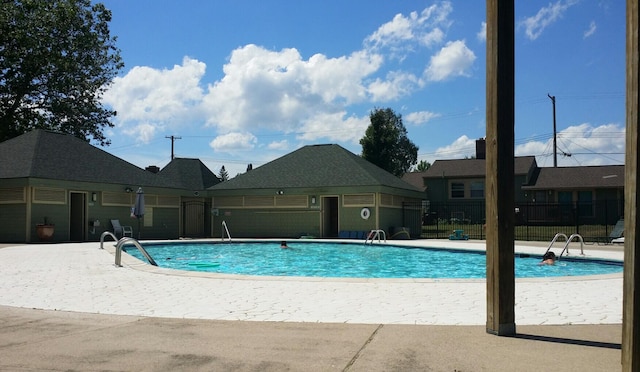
[
  {"x": 631, "y": 286},
  {"x": 500, "y": 194},
  {"x": 173, "y": 139},
  {"x": 555, "y": 135}
]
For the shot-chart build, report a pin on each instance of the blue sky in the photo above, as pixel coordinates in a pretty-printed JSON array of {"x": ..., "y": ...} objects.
[{"x": 248, "y": 81}]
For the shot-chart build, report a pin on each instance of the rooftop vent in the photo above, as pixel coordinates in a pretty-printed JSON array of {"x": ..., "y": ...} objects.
[{"x": 152, "y": 169}]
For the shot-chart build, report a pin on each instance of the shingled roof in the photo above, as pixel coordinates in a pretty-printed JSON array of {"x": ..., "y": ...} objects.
[
  {"x": 51, "y": 155},
  {"x": 315, "y": 166},
  {"x": 416, "y": 179},
  {"x": 583, "y": 177},
  {"x": 191, "y": 174},
  {"x": 473, "y": 167}
]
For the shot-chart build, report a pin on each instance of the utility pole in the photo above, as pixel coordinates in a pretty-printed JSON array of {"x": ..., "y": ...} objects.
[
  {"x": 173, "y": 139},
  {"x": 555, "y": 146}
]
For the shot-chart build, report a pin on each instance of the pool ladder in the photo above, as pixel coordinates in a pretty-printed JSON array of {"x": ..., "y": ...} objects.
[
  {"x": 375, "y": 234},
  {"x": 225, "y": 229},
  {"x": 567, "y": 242},
  {"x": 123, "y": 241}
]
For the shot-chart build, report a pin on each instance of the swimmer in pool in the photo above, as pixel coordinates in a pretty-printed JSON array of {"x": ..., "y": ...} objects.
[
  {"x": 284, "y": 245},
  {"x": 549, "y": 258}
]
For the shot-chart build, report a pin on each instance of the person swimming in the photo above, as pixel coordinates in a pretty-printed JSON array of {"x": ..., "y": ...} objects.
[
  {"x": 549, "y": 258},
  {"x": 284, "y": 245}
]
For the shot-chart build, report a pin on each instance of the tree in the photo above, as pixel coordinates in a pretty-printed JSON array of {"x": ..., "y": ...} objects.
[
  {"x": 422, "y": 166},
  {"x": 249, "y": 167},
  {"x": 386, "y": 144},
  {"x": 57, "y": 58},
  {"x": 224, "y": 175}
]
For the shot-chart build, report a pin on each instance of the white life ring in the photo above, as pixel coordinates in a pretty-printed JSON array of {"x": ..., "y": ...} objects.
[{"x": 365, "y": 213}]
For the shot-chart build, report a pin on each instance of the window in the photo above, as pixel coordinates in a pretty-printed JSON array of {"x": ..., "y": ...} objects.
[
  {"x": 457, "y": 190},
  {"x": 540, "y": 197},
  {"x": 565, "y": 197},
  {"x": 585, "y": 204},
  {"x": 477, "y": 189}
]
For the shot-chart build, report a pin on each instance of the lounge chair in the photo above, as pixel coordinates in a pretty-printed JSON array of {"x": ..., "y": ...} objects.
[
  {"x": 458, "y": 235},
  {"x": 121, "y": 231},
  {"x": 617, "y": 234}
]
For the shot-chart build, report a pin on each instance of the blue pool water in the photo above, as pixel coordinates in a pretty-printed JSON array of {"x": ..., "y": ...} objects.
[{"x": 349, "y": 260}]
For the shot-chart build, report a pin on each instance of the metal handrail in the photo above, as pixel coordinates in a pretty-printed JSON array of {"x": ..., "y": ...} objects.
[
  {"x": 124, "y": 241},
  {"x": 566, "y": 243},
  {"x": 554, "y": 240},
  {"x": 104, "y": 235},
  {"x": 373, "y": 234},
  {"x": 225, "y": 228},
  {"x": 566, "y": 246}
]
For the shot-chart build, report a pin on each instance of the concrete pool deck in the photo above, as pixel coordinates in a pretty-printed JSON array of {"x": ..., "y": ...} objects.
[{"x": 145, "y": 317}]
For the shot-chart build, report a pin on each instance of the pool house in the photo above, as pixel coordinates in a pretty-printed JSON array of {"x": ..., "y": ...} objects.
[
  {"x": 316, "y": 191},
  {"x": 76, "y": 189}
]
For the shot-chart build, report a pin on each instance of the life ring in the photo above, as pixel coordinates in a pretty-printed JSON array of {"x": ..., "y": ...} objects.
[{"x": 365, "y": 213}]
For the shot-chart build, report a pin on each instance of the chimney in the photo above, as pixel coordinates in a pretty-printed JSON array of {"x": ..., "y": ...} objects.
[
  {"x": 481, "y": 148},
  {"x": 152, "y": 169}
]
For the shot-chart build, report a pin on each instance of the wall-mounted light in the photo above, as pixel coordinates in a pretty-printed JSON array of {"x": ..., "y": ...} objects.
[
  {"x": 313, "y": 200},
  {"x": 280, "y": 192},
  {"x": 128, "y": 189},
  {"x": 94, "y": 196}
]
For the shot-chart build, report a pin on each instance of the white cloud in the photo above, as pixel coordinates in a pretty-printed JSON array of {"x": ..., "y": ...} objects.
[
  {"x": 462, "y": 147},
  {"x": 144, "y": 132},
  {"x": 420, "y": 117},
  {"x": 591, "y": 30},
  {"x": 279, "y": 90},
  {"x": 156, "y": 97},
  {"x": 232, "y": 142},
  {"x": 270, "y": 91},
  {"x": 278, "y": 145},
  {"x": 397, "y": 84},
  {"x": 433, "y": 37},
  {"x": 535, "y": 25},
  {"x": 454, "y": 59},
  {"x": 341, "y": 79},
  {"x": 334, "y": 127},
  {"x": 398, "y": 29},
  {"x": 587, "y": 145},
  {"x": 425, "y": 27},
  {"x": 482, "y": 34}
]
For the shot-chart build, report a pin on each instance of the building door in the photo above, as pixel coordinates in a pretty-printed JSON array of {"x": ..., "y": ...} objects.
[
  {"x": 78, "y": 217},
  {"x": 329, "y": 216},
  {"x": 194, "y": 219}
]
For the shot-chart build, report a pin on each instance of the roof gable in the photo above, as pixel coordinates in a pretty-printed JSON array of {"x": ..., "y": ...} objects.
[
  {"x": 190, "y": 174},
  {"x": 315, "y": 166},
  {"x": 50, "y": 155}
]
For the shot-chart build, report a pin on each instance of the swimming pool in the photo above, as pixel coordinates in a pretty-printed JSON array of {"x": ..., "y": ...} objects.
[{"x": 351, "y": 260}]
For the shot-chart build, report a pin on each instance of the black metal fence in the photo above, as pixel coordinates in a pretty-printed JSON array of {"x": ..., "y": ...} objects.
[{"x": 594, "y": 221}]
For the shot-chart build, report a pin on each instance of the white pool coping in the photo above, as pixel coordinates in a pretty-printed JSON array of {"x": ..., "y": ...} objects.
[{"x": 81, "y": 277}]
